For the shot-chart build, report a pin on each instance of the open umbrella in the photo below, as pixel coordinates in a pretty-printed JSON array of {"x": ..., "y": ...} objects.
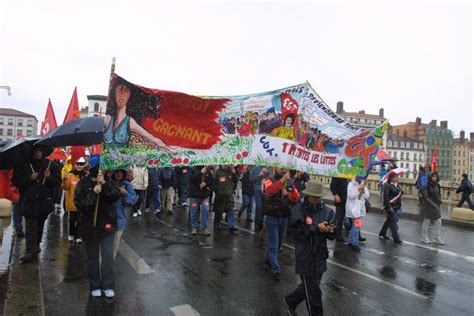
[
  {"x": 81, "y": 132},
  {"x": 399, "y": 171},
  {"x": 18, "y": 152}
]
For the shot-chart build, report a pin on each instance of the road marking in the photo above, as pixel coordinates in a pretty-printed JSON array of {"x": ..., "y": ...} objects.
[
  {"x": 138, "y": 264},
  {"x": 357, "y": 272},
  {"x": 446, "y": 252},
  {"x": 184, "y": 310}
]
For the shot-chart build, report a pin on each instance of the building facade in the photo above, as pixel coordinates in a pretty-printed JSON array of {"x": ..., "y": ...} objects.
[
  {"x": 96, "y": 107},
  {"x": 362, "y": 119},
  {"x": 471, "y": 157},
  {"x": 460, "y": 162},
  {"x": 14, "y": 123},
  {"x": 409, "y": 152}
]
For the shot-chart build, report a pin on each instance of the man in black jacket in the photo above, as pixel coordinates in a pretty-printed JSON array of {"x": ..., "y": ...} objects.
[
  {"x": 311, "y": 222},
  {"x": 247, "y": 194},
  {"x": 466, "y": 189},
  {"x": 37, "y": 181},
  {"x": 200, "y": 187},
  {"x": 338, "y": 188}
]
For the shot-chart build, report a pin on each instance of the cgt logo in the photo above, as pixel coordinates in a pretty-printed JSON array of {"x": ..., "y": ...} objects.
[{"x": 266, "y": 145}]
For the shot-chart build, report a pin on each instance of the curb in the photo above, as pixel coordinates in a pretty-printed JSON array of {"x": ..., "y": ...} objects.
[{"x": 446, "y": 221}]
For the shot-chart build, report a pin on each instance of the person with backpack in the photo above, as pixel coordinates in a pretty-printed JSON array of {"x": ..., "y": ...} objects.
[
  {"x": 279, "y": 196},
  {"x": 247, "y": 194},
  {"x": 168, "y": 183},
  {"x": 466, "y": 189},
  {"x": 37, "y": 181},
  {"x": 392, "y": 201},
  {"x": 200, "y": 187},
  {"x": 430, "y": 210}
]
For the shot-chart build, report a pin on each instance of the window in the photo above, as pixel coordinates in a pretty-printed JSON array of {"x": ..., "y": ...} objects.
[
  {"x": 408, "y": 156},
  {"x": 454, "y": 153},
  {"x": 464, "y": 154},
  {"x": 402, "y": 144},
  {"x": 30, "y": 123},
  {"x": 414, "y": 156},
  {"x": 9, "y": 132},
  {"x": 464, "y": 162},
  {"x": 19, "y": 122},
  {"x": 10, "y": 121},
  {"x": 390, "y": 153},
  {"x": 389, "y": 143},
  {"x": 454, "y": 162},
  {"x": 96, "y": 107},
  {"x": 402, "y": 165},
  {"x": 1, "y": 131},
  {"x": 421, "y": 157},
  {"x": 395, "y": 144},
  {"x": 401, "y": 156},
  {"x": 28, "y": 133},
  {"x": 1, "y": 121},
  {"x": 395, "y": 154},
  {"x": 19, "y": 132}
]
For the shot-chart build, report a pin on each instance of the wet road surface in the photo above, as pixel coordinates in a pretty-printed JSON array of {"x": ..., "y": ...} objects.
[{"x": 161, "y": 266}]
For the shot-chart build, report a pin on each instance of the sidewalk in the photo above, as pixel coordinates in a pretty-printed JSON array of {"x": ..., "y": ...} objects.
[{"x": 410, "y": 209}]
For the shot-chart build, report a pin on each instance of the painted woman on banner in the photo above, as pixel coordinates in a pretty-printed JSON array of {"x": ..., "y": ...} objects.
[{"x": 127, "y": 106}]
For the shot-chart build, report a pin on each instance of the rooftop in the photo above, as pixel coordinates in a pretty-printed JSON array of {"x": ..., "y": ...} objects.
[
  {"x": 13, "y": 112},
  {"x": 363, "y": 115},
  {"x": 97, "y": 97},
  {"x": 391, "y": 136}
]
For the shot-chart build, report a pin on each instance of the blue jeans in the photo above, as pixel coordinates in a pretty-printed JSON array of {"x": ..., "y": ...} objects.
[
  {"x": 183, "y": 192},
  {"x": 247, "y": 205},
  {"x": 193, "y": 207},
  {"x": 153, "y": 196},
  {"x": 275, "y": 231},
  {"x": 17, "y": 219},
  {"x": 354, "y": 234},
  {"x": 258, "y": 207}
]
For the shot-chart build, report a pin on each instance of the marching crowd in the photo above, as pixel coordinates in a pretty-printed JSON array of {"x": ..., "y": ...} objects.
[{"x": 277, "y": 200}]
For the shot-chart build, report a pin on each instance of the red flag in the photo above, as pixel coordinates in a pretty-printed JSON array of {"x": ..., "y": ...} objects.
[
  {"x": 49, "y": 122},
  {"x": 434, "y": 160},
  {"x": 73, "y": 109},
  {"x": 58, "y": 154},
  {"x": 289, "y": 106}
]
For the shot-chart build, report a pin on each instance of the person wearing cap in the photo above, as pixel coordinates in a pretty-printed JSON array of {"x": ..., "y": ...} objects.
[
  {"x": 37, "y": 181},
  {"x": 280, "y": 193},
  {"x": 312, "y": 223},
  {"x": 128, "y": 197},
  {"x": 357, "y": 193},
  {"x": 69, "y": 183}
]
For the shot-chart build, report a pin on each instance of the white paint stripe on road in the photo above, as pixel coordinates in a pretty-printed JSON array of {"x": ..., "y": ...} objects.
[
  {"x": 445, "y": 252},
  {"x": 137, "y": 263},
  {"x": 184, "y": 310},
  {"x": 358, "y": 272}
]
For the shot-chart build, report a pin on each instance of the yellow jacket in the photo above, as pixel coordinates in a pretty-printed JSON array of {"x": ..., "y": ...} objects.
[
  {"x": 69, "y": 184},
  {"x": 284, "y": 132},
  {"x": 66, "y": 169}
]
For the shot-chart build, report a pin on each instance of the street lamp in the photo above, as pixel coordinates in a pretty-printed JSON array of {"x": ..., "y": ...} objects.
[{"x": 9, "y": 90}]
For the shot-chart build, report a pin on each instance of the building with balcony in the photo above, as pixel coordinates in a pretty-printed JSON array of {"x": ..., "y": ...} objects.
[
  {"x": 409, "y": 152},
  {"x": 14, "y": 123},
  {"x": 460, "y": 162}
]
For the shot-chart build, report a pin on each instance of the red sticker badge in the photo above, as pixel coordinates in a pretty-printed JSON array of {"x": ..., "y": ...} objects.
[{"x": 309, "y": 220}]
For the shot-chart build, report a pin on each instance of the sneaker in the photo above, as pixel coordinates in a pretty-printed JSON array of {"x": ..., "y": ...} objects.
[
  {"x": 78, "y": 240},
  {"x": 96, "y": 293},
  {"x": 205, "y": 232},
  {"x": 109, "y": 293},
  {"x": 276, "y": 276},
  {"x": 399, "y": 241},
  {"x": 184, "y": 204},
  {"x": 70, "y": 238},
  {"x": 362, "y": 239},
  {"x": 20, "y": 234},
  {"x": 426, "y": 241},
  {"x": 194, "y": 232},
  {"x": 439, "y": 241},
  {"x": 139, "y": 213},
  {"x": 157, "y": 211},
  {"x": 135, "y": 215}
]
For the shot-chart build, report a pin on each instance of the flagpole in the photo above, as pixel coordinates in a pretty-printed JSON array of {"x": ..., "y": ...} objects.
[{"x": 96, "y": 209}]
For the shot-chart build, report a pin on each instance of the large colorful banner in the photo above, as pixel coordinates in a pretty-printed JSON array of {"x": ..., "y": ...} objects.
[{"x": 289, "y": 128}]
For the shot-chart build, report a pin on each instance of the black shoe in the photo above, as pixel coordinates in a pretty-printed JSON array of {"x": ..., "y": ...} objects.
[
  {"x": 398, "y": 241},
  {"x": 28, "y": 258},
  {"x": 384, "y": 237},
  {"x": 362, "y": 239},
  {"x": 20, "y": 234},
  {"x": 249, "y": 220},
  {"x": 267, "y": 263},
  {"x": 340, "y": 240},
  {"x": 291, "y": 310},
  {"x": 233, "y": 229},
  {"x": 276, "y": 276},
  {"x": 347, "y": 227},
  {"x": 355, "y": 247}
]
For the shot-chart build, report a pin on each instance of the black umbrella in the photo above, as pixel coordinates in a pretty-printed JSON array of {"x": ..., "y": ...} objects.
[
  {"x": 20, "y": 151},
  {"x": 81, "y": 132}
]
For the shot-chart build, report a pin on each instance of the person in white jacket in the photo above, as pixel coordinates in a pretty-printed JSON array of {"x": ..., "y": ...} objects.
[
  {"x": 140, "y": 185},
  {"x": 357, "y": 192}
]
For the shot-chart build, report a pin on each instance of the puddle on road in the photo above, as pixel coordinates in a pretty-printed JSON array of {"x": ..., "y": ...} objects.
[
  {"x": 388, "y": 272},
  {"x": 221, "y": 259},
  {"x": 425, "y": 287}
]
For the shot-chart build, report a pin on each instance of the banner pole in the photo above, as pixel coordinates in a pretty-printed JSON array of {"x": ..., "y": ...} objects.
[{"x": 96, "y": 209}]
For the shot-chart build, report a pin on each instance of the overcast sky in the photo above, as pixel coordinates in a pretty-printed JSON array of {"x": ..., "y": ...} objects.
[{"x": 411, "y": 59}]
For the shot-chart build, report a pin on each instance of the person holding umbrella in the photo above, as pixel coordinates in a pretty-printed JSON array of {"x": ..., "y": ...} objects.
[
  {"x": 37, "y": 179},
  {"x": 94, "y": 199}
]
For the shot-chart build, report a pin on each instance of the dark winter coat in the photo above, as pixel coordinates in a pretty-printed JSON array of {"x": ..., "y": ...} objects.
[
  {"x": 431, "y": 201},
  {"x": 36, "y": 198},
  {"x": 247, "y": 185},
  {"x": 311, "y": 251},
  {"x": 85, "y": 199},
  {"x": 224, "y": 186},
  {"x": 153, "y": 177},
  {"x": 168, "y": 178},
  {"x": 392, "y": 196},
  {"x": 182, "y": 173},
  {"x": 339, "y": 186},
  {"x": 465, "y": 187},
  {"x": 195, "y": 180}
]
